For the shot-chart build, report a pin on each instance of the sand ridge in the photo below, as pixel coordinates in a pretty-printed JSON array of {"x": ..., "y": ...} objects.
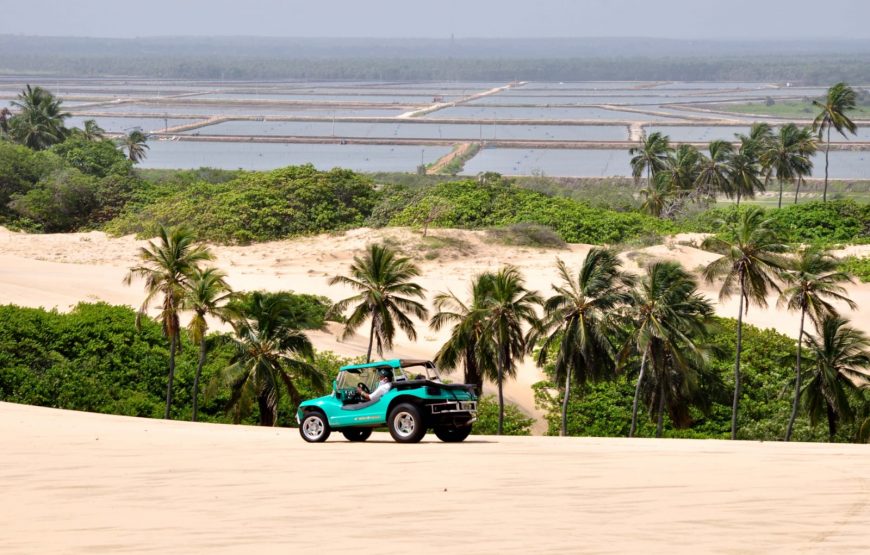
[{"x": 61, "y": 270}]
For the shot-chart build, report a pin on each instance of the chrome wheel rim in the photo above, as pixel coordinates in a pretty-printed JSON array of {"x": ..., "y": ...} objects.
[
  {"x": 404, "y": 424},
  {"x": 313, "y": 427}
]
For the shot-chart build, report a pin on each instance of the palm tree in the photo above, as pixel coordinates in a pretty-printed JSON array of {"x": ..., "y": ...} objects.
[
  {"x": 509, "y": 306},
  {"x": 206, "y": 293},
  {"x": 650, "y": 156},
  {"x": 270, "y": 355},
  {"x": 466, "y": 343},
  {"x": 92, "y": 131},
  {"x": 789, "y": 156},
  {"x": 656, "y": 195},
  {"x": 750, "y": 265},
  {"x": 813, "y": 280},
  {"x": 39, "y": 122},
  {"x": 135, "y": 144},
  {"x": 840, "y": 99},
  {"x": 744, "y": 172},
  {"x": 676, "y": 182},
  {"x": 579, "y": 318},
  {"x": 383, "y": 279},
  {"x": 167, "y": 267},
  {"x": 841, "y": 359},
  {"x": 5, "y": 116},
  {"x": 713, "y": 176},
  {"x": 666, "y": 316}
]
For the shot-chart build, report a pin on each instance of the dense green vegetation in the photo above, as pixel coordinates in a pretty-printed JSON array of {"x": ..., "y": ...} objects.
[
  {"x": 93, "y": 358},
  {"x": 858, "y": 266},
  {"x": 821, "y": 223},
  {"x": 604, "y": 408},
  {"x": 495, "y": 202},
  {"x": 254, "y": 206}
]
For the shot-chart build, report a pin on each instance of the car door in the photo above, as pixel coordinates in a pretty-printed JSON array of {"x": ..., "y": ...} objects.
[{"x": 374, "y": 414}]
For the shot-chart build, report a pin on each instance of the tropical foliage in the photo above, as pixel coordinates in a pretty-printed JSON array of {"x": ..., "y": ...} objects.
[{"x": 386, "y": 297}]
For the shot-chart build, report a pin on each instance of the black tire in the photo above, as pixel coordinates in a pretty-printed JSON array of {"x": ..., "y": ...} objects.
[
  {"x": 406, "y": 424},
  {"x": 314, "y": 427},
  {"x": 450, "y": 434},
  {"x": 357, "y": 434}
]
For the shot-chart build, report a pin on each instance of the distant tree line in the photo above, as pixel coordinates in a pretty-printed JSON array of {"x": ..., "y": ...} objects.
[{"x": 804, "y": 70}]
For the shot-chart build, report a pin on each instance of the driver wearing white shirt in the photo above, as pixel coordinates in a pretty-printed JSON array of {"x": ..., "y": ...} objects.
[{"x": 384, "y": 386}]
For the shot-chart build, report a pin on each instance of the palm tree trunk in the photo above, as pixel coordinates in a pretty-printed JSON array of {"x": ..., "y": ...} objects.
[
  {"x": 660, "y": 410},
  {"x": 797, "y": 381},
  {"x": 564, "y": 431},
  {"x": 827, "y": 151},
  {"x": 737, "y": 363},
  {"x": 172, "y": 348},
  {"x": 472, "y": 374},
  {"x": 199, "y": 366},
  {"x": 780, "y": 194},
  {"x": 636, "y": 396},
  {"x": 798, "y": 189},
  {"x": 501, "y": 373},
  {"x": 267, "y": 417},
  {"x": 371, "y": 340},
  {"x": 832, "y": 422}
]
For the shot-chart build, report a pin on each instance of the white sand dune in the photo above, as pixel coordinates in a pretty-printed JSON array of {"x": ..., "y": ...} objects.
[
  {"x": 86, "y": 483},
  {"x": 59, "y": 271}
]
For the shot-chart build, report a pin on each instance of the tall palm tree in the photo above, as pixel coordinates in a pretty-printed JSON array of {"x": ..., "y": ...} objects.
[
  {"x": 650, "y": 155},
  {"x": 466, "y": 344},
  {"x": 384, "y": 281},
  {"x": 813, "y": 282},
  {"x": 135, "y": 143},
  {"x": 166, "y": 266},
  {"x": 750, "y": 266},
  {"x": 832, "y": 115},
  {"x": 840, "y": 360},
  {"x": 206, "y": 295},
  {"x": 39, "y": 122},
  {"x": 666, "y": 315},
  {"x": 5, "y": 116},
  {"x": 788, "y": 156},
  {"x": 270, "y": 355},
  {"x": 509, "y": 307},
  {"x": 744, "y": 172},
  {"x": 713, "y": 177},
  {"x": 93, "y": 132},
  {"x": 678, "y": 178},
  {"x": 657, "y": 195},
  {"x": 579, "y": 318}
]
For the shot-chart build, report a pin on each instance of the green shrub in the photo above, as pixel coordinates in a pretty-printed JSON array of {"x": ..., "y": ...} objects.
[
  {"x": 291, "y": 201},
  {"x": 767, "y": 366},
  {"x": 516, "y": 423},
  {"x": 474, "y": 205},
  {"x": 817, "y": 222},
  {"x": 859, "y": 267}
]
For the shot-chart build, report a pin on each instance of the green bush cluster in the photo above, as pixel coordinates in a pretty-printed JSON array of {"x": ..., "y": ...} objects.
[
  {"x": 474, "y": 205},
  {"x": 516, "y": 423},
  {"x": 73, "y": 185},
  {"x": 767, "y": 369},
  {"x": 817, "y": 222},
  {"x": 260, "y": 206},
  {"x": 858, "y": 267},
  {"x": 94, "y": 359}
]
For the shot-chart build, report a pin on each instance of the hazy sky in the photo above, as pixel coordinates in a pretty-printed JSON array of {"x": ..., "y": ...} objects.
[{"x": 692, "y": 19}]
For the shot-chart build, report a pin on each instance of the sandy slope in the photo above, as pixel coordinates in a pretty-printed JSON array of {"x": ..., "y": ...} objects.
[
  {"x": 86, "y": 483},
  {"x": 62, "y": 270}
]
